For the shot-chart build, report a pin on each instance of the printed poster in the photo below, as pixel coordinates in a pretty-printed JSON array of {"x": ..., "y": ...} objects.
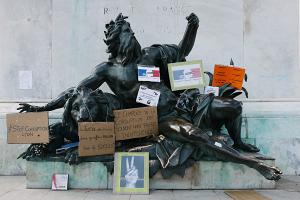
[
  {"x": 148, "y": 73},
  {"x": 147, "y": 96},
  {"x": 186, "y": 75}
]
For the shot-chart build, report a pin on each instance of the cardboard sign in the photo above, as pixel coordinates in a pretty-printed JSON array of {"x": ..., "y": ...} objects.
[
  {"x": 135, "y": 123},
  {"x": 147, "y": 96},
  {"x": 27, "y": 128},
  {"x": 186, "y": 75},
  {"x": 60, "y": 181},
  {"x": 211, "y": 89},
  {"x": 96, "y": 138},
  {"x": 148, "y": 73},
  {"x": 228, "y": 74}
]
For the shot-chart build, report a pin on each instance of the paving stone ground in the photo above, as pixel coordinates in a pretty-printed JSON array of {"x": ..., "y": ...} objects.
[{"x": 13, "y": 188}]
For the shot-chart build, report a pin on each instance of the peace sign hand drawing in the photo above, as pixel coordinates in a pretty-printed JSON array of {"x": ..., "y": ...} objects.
[{"x": 131, "y": 175}]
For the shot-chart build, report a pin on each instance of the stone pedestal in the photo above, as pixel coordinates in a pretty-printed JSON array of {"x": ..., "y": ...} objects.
[
  {"x": 203, "y": 175},
  {"x": 88, "y": 175}
]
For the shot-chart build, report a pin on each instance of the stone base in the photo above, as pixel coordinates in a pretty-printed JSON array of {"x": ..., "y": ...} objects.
[
  {"x": 203, "y": 175},
  {"x": 88, "y": 175}
]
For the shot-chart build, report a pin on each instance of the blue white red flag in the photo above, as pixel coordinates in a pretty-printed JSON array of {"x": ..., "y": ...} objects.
[{"x": 148, "y": 73}]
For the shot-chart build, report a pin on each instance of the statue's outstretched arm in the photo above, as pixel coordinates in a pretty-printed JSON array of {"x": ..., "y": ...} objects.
[
  {"x": 96, "y": 79},
  {"x": 93, "y": 81},
  {"x": 56, "y": 103},
  {"x": 188, "y": 40}
]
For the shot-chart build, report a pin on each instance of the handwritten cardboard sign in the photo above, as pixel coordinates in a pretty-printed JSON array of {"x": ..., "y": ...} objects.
[
  {"x": 27, "y": 128},
  {"x": 228, "y": 74},
  {"x": 135, "y": 123},
  {"x": 96, "y": 138}
]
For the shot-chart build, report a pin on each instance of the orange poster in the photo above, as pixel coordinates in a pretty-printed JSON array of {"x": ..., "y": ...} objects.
[{"x": 228, "y": 74}]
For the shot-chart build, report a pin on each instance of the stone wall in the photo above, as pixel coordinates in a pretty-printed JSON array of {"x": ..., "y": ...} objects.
[{"x": 59, "y": 43}]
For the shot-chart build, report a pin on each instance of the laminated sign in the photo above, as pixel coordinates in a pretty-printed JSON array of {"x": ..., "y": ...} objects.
[
  {"x": 27, "y": 128},
  {"x": 186, "y": 75},
  {"x": 148, "y": 73},
  {"x": 96, "y": 138},
  {"x": 228, "y": 74},
  {"x": 147, "y": 96},
  {"x": 211, "y": 89},
  {"x": 135, "y": 123}
]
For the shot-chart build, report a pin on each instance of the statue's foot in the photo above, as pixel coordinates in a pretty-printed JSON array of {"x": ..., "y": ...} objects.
[
  {"x": 270, "y": 173},
  {"x": 72, "y": 157},
  {"x": 246, "y": 147},
  {"x": 34, "y": 151}
]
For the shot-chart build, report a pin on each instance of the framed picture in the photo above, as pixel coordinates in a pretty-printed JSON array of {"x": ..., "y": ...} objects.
[
  {"x": 131, "y": 173},
  {"x": 186, "y": 75}
]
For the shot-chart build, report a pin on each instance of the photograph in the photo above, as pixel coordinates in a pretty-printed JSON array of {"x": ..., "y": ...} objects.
[{"x": 131, "y": 174}]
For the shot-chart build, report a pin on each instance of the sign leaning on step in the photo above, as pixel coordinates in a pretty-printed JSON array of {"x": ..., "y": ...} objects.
[
  {"x": 27, "y": 128},
  {"x": 60, "y": 181},
  {"x": 131, "y": 173}
]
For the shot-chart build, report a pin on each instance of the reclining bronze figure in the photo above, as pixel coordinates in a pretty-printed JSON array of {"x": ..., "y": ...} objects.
[{"x": 187, "y": 127}]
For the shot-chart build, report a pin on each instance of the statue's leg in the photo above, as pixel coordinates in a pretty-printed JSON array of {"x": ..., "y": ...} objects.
[
  {"x": 183, "y": 131},
  {"x": 234, "y": 129},
  {"x": 42, "y": 150},
  {"x": 56, "y": 137},
  {"x": 229, "y": 111}
]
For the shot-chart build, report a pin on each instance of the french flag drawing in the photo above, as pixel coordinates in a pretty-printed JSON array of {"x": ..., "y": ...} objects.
[
  {"x": 148, "y": 73},
  {"x": 195, "y": 73},
  {"x": 178, "y": 75}
]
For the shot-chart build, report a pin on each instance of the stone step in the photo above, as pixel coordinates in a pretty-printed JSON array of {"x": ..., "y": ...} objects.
[{"x": 203, "y": 175}]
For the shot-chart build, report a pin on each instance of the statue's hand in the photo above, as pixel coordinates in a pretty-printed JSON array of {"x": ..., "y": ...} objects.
[
  {"x": 25, "y": 107},
  {"x": 131, "y": 175},
  {"x": 72, "y": 156},
  {"x": 193, "y": 20},
  {"x": 33, "y": 151}
]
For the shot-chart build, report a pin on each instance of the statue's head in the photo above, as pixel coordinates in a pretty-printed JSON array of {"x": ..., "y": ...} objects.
[
  {"x": 86, "y": 105},
  {"x": 120, "y": 40}
]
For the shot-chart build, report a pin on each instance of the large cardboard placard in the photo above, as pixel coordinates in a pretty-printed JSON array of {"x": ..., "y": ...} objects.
[
  {"x": 228, "y": 74},
  {"x": 96, "y": 138},
  {"x": 135, "y": 123},
  {"x": 27, "y": 128}
]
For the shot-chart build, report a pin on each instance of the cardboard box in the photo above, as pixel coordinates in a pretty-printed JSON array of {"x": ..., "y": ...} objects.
[
  {"x": 135, "y": 123},
  {"x": 228, "y": 74},
  {"x": 96, "y": 138},
  {"x": 27, "y": 128}
]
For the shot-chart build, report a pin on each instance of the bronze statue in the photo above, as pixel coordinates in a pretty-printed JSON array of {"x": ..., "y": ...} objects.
[
  {"x": 177, "y": 122},
  {"x": 84, "y": 105}
]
